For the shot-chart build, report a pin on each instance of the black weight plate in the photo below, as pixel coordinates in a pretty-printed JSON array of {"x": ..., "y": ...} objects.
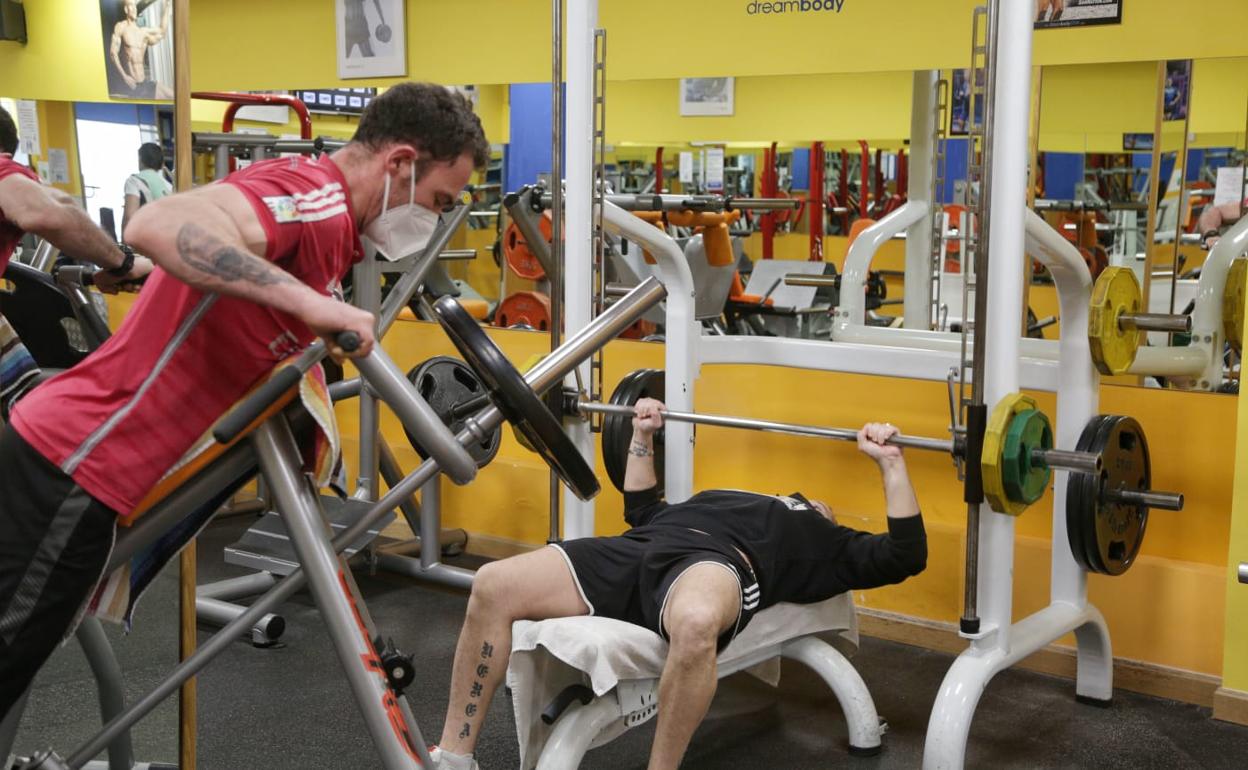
[
  {"x": 515, "y": 399},
  {"x": 1080, "y": 497},
  {"x": 1091, "y": 486},
  {"x": 643, "y": 383},
  {"x": 445, "y": 383},
  {"x": 1120, "y": 526},
  {"x": 617, "y": 431}
]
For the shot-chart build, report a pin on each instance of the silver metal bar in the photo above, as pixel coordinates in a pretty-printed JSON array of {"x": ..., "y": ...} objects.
[
  {"x": 1168, "y": 501},
  {"x": 541, "y": 377},
  {"x": 430, "y": 522},
  {"x": 555, "y": 271},
  {"x": 329, "y": 580},
  {"x": 1243, "y": 572},
  {"x": 110, "y": 687},
  {"x": 366, "y": 294},
  {"x": 391, "y": 474},
  {"x": 1156, "y": 322},
  {"x": 454, "y": 254},
  {"x": 802, "y": 279},
  {"x": 383, "y": 376},
  {"x": 264, "y": 631},
  {"x": 1057, "y": 458},
  {"x": 444, "y": 574},
  {"x": 1083, "y": 462},
  {"x": 652, "y": 202},
  {"x": 233, "y": 588}
]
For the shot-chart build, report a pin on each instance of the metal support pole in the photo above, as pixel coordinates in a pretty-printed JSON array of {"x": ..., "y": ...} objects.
[
  {"x": 922, "y": 169},
  {"x": 578, "y": 263},
  {"x": 366, "y": 295},
  {"x": 815, "y": 202},
  {"x": 556, "y": 218}
]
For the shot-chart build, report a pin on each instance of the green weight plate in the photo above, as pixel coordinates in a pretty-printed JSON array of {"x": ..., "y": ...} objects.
[
  {"x": 617, "y": 430},
  {"x": 1120, "y": 527},
  {"x": 1023, "y": 480}
]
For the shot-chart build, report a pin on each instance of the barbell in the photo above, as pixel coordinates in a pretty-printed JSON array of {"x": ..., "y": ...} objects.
[{"x": 1108, "y": 494}]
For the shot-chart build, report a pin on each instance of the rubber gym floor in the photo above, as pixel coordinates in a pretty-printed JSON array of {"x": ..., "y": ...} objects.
[{"x": 288, "y": 706}]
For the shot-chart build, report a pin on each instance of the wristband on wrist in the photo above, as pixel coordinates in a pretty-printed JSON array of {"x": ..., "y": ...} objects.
[{"x": 127, "y": 263}]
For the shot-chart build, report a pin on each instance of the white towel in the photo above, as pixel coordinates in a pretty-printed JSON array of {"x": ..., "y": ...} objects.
[{"x": 548, "y": 656}]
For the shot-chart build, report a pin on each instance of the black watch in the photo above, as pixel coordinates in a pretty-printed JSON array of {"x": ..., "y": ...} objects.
[{"x": 127, "y": 263}]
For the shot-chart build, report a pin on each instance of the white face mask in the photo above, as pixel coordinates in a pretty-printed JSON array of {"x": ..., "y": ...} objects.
[{"x": 402, "y": 230}]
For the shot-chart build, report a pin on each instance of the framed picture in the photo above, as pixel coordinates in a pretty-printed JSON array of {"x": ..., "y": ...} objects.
[
  {"x": 372, "y": 38},
  {"x": 1177, "y": 88},
  {"x": 1077, "y": 13},
  {"x": 706, "y": 96},
  {"x": 138, "y": 48}
]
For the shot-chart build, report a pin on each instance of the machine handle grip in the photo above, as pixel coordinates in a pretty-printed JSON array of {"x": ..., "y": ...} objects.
[{"x": 238, "y": 418}]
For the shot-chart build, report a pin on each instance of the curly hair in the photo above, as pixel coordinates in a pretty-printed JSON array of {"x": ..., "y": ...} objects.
[
  {"x": 8, "y": 133},
  {"x": 428, "y": 116}
]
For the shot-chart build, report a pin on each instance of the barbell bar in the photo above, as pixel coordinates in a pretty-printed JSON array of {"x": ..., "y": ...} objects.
[
  {"x": 1083, "y": 462},
  {"x": 1156, "y": 322},
  {"x": 1167, "y": 501}
]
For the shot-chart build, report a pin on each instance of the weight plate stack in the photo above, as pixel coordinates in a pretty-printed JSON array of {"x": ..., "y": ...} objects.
[
  {"x": 617, "y": 429},
  {"x": 1106, "y": 535},
  {"x": 445, "y": 383}
]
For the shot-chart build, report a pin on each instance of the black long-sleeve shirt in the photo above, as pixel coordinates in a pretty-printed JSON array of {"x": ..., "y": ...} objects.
[{"x": 798, "y": 555}]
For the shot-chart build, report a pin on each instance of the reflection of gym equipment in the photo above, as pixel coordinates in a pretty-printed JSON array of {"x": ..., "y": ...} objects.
[{"x": 227, "y": 147}]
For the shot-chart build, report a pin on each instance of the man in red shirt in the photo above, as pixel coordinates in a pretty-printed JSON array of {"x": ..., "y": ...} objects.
[
  {"x": 27, "y": 206},
  {"x": 248, "y": 269}
]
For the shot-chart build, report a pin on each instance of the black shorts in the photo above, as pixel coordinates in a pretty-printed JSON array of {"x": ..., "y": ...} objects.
[
  {"x": 628, "y": 577},
  {"x": 54, "y": 545}
]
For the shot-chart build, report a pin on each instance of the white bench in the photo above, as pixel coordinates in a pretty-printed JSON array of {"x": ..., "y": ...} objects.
[{"x": 610, "y": 671}]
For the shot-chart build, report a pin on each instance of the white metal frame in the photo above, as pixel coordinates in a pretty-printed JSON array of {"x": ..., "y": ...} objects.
[{"x": 633, "y": 703}]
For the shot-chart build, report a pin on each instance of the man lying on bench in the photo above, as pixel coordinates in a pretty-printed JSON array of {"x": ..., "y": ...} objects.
[{"x": 693, "y": 572}]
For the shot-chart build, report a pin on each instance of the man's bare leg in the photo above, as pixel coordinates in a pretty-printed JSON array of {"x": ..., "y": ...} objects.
[
  {"x": 704, "y": 602},
  {"x": 533, "y": 586}
]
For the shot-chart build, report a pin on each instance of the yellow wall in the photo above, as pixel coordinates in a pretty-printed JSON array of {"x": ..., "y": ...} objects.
[
  {"x": 796, "y": 109},
  {"x": 1167, "y": 610},
  {"x": 1235, "y": 664},
  {"x": 1219, "y": 107},
  {"x": 1087, "y": 108},
  {"x": 242, "y": 44}
]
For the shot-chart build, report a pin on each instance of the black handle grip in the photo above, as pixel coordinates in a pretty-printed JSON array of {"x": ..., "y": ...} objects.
[
  {"x": 237, "y": 420},
  {"x": 348, "y": 341},
  {"x": 574, "y": 692}
]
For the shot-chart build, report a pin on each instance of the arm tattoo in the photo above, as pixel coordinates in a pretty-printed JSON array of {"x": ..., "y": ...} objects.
[
  {"x": 487, "y": 650},
  {"x": 209, "y": 255},
  {"x": 639, "y": 449},
  {"x": 464, "y": 733}
]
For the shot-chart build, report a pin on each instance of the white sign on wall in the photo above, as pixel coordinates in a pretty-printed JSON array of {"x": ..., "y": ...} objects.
[
  {"x": 372, "y": 38},
  {"x": 686, "y": 168},
  {"x": 1230, "y": 187},
  {"x": 715, "y": 169},
  {"x": 28, "y": 127}
]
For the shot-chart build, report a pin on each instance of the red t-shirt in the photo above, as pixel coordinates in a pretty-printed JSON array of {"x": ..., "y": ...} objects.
[
  {"x": 10, "y": 233},
  {"x": 120, "y": 419}
]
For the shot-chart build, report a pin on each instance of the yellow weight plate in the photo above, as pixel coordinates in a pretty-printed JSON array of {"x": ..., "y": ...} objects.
[
  {"x": 991, "y": 463},
  {"x": 1117, "y": 291},
  {"x": 524, "y": 368},
  {"x": 1233, "y": 304}
]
